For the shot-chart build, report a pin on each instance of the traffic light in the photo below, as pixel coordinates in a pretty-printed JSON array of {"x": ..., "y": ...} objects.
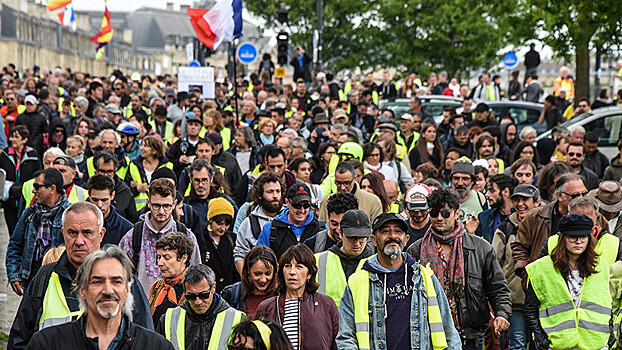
[{"x": 282, "y": 47}]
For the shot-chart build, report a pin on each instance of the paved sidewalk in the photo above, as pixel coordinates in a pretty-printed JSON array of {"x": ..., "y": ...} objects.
[{"x": 9, "y": 301}]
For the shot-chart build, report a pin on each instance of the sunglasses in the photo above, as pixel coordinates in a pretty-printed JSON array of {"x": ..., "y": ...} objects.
[
  {"x": 202, "y": 296},
  {"x": 305, "y": 205},
  {"x": 572, "y": 154},
  {"x": 445, "y": 213},
  {"x": 576, "y": 195},
  {"x": 38, "y": 186}
]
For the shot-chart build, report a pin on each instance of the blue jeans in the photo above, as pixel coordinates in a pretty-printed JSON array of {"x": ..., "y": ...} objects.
[
  {"x": 473, "y": 344},
  {"x": 517, "y": 331}
]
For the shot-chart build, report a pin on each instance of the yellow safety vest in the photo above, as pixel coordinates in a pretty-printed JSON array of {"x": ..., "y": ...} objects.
[
  {"x": 226, "y": 138},
  {"x": 359, "y": 285},
  {"x": 394, "y": 208},
  {"x": 175, "y": 328},
  {"x": 54, "y": 308},
  {"x": 607, "y": 246},
  {"x": 586, "y": 325},
  {"x": 141, "y": 197},
  {"x": 121, "y": 172},
  {"x": 374, "y": 97},
  {"x": 77, "y": 194},
  {"x": 128, "y": 112},
  {"x": 342, "y": 95},
  {"x": 329, "y": 264},
  {"x": 27, "y": 188},
  {"x": 168, "y": 129},
  {"x": 71, "y": 106}
]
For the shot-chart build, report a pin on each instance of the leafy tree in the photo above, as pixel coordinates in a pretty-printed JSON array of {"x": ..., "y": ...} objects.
[{"x": 576, "y": 27}]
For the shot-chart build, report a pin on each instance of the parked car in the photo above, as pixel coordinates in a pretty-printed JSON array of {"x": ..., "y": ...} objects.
[
  {"x": 523, "y": 113},
  {"x": 605, "y": 121}
]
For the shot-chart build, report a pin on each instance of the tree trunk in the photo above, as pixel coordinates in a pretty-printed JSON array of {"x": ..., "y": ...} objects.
[{"x": 582, "y": 79}]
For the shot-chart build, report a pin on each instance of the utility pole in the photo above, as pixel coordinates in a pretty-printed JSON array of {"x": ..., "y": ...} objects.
[{"x": 320, "y": 10}]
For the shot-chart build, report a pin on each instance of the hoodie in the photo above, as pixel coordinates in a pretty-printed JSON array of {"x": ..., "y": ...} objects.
[
  {"x": 349, "y": 263},
  {"x": 264, "y": 237},
  {"x": 57, "y": 142},
  {"x": 245, "y": 241},
  {"x": 116, "y": 226},
  {"x": 398, "y": 287}
]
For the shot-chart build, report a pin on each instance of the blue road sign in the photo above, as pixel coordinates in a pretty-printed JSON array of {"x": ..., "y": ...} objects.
[
  {"x": 195, "y": 64},
  {"x": 247, "y": 53},
  {"x": 510, "y": 60}
]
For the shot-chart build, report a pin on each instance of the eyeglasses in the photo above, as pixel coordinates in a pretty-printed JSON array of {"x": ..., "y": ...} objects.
[
  {"x": 460, "y": 178},
  {"x": 576, "y": 195},
  {"x": 38, "y": 186},
  {"x": 578, "y": 155},
  {"x": 202, "y": 295},
  {"x": 157, "y": 207},
  {"x": 106, "y": 172},
  {"x": 305, "y": 205},
  {"x": 343, "y": 183},
  {"x": 577, "y": 239},
  {"x": 205, "y": 181},
  {"x": 446, "y": 213}
]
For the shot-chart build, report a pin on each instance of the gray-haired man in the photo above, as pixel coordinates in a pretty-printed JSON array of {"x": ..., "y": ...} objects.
[{"x": 103, "y": 284}]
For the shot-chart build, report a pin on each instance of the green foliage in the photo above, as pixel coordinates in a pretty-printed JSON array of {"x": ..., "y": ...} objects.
[{"x": 423, "y": 35}]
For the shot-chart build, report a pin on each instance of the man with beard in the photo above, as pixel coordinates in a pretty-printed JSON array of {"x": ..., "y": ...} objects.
[
  {"x": 336, "y": 206},
  {"x": 267, "y": 193},
  {"x": 500, "y": 188},
  {"x": 468, "y": 271},
  {"x": 484, "y": 147},
  {"x": 102, "y": 286},
  {"x": 410, "y": 310},
  {"x": 524, "y": 198},
  {"x": 462, "y": 177}
]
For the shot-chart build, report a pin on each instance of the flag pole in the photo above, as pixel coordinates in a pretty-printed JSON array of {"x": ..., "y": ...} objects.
[{"x": 235, "y": 85}]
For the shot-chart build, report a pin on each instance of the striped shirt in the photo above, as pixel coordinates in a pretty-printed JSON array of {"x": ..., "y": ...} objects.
[{"x": 290, "y": 321}]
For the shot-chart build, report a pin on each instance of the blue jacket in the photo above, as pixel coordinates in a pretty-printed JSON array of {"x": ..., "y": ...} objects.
[
  {"x": 116, "y": 226},
  {"x": 489, "y": 221},
  {"x": 264, "y": 237},
  {"x": 20, "y": 251},
  {"x": 420, "y": 335}
]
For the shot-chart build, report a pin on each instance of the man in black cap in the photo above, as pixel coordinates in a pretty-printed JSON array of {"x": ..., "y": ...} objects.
[
  {"x": 483, "y": 118},
  {"x": 524, "y": 198},
  {"x": 339, "y": 262},
  {"x": 177, "y": 111},
  {"x": 465, "y": 264},
  {"x": 183, "y": 152},
  {"x": 294, "y": 224},
  {"x": 394, "y": 283}
]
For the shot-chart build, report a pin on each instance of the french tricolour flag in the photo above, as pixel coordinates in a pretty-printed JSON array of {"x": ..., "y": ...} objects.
[
  {"x": 221, "y": 22},
  {"x": 67, "y": 16}
]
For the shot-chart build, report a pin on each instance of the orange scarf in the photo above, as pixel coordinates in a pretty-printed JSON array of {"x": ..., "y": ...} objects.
[{"x": 167, "y": 290}]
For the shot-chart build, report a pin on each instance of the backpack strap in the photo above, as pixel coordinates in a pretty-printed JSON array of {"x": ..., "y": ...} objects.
[
  {"x": 181, "y": 227},
  {"x": 320, "y": 241},
  {"x": 236, "y": 292},
  {"x": 137, "y": 242},
  {"x": 255, "y": 226},
  {"x": 483, "y": 202},
  {"x": 40, "y": 285}
]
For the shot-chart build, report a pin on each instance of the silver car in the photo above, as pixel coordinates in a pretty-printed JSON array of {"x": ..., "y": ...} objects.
[{"x": 606, "y": 122}]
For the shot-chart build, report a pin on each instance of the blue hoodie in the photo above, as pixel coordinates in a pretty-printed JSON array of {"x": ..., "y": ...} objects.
[{"x": 264, "y": 237}]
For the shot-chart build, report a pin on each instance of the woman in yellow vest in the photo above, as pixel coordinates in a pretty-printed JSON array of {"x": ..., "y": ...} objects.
[
  {"x": 139, "y": 175},
  {"x": 212, "y": 122},
  {"x": 567, "y": 301}
]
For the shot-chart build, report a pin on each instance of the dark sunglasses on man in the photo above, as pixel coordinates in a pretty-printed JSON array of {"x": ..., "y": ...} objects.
[
  {"x": 445, "y": 213},
  {"x": 305, "y": 205}
]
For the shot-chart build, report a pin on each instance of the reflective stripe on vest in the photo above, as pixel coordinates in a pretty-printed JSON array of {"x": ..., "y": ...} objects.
[
  {"x": 359, "y": 285},
  {"x": 77, "y": 194},
  {"x": 585, "y": 326},
  {"x": 329, "y": 264},
  {"x": 607, "y": 247},
  {"x": 141, "y": 198},
  {"x": 54, "y": 309},
  {"x": 175, "y": 327}
]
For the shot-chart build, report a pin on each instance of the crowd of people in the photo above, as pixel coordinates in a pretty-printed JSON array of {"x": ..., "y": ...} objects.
[{"x": 291, "y": 216}]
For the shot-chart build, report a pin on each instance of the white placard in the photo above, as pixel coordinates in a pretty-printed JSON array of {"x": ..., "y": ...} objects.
[{"x": 189, "y": 78}]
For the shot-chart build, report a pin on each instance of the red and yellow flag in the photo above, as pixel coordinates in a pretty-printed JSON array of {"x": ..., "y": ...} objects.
[
  {"x": 54, "y": 5},
  {"x": 105, "y": 34}
]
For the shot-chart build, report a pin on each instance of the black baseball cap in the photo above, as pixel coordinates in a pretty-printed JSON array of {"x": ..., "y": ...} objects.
[
  {"x": 575, "y": 225},
  {"x": 525, "y": 190},
  {"x": 482, "y": 107},
  {"x": 355, "y": 223},
  {"x": 299, "y": 192},
  {"x": 384, "y": 218}
]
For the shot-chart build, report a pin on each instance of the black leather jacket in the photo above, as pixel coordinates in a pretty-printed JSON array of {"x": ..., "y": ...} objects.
[{"x": 484, "y": 283}]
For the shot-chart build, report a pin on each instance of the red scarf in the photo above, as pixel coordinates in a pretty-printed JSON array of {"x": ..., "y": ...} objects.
[{"x": 167, "y": 290}]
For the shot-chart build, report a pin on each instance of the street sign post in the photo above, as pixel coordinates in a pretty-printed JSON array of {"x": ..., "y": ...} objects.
[{"x": 247, "y": 53}]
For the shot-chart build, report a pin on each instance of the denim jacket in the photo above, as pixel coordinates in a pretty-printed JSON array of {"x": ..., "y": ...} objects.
[
  {"x": 420, "y": 332},
  {"x": 21, "y": 247}
]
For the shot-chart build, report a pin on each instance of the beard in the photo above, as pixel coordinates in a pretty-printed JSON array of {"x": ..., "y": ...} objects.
[
  {"x": 392, "y": 252},
  {"x": 499, "y": 203},
  {"x": 462, "y": 191},
  {"x": 108, "y": 314},
  {"x": 272, "y": 207}
]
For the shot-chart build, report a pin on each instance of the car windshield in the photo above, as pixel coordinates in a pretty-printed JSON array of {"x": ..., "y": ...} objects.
[{"x": 577, "y": 119}]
